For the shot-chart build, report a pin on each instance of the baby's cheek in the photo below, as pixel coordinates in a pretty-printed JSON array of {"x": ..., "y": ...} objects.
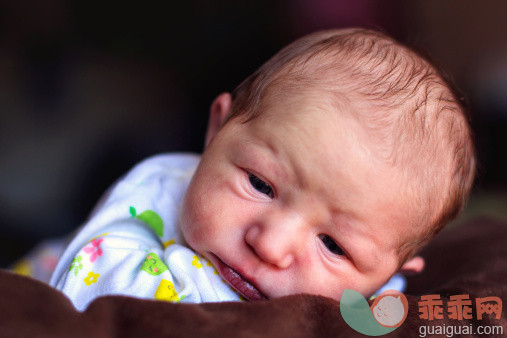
[
  {"x": 188, "y": 221},
  {"x": 195, "y": 221}
]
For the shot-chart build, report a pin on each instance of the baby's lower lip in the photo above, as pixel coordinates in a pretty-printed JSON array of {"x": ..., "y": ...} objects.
[{"x": 247, "y": 289}]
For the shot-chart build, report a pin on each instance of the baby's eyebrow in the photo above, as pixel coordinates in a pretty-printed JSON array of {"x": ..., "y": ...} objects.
[{"x": 266, "y": 155}]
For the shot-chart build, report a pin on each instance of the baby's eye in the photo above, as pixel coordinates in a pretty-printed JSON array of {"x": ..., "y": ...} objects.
[
  {"x": 260, "y": 185},
  {"x": 331, "y": 245}
]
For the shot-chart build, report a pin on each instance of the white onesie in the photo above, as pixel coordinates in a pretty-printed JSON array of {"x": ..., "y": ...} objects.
[{"x": 131, "y": 244}]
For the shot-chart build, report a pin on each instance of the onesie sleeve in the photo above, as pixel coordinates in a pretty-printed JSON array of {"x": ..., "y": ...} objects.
[{"x": 131, "y": 246}]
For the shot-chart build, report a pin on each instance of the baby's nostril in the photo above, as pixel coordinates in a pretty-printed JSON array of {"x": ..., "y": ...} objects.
[{"x": 250, "y": 247}]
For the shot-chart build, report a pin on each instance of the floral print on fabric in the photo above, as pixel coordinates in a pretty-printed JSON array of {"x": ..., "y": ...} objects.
[
  {"x": 92, "y": 278},
  {"x": 94, "y": 249}
]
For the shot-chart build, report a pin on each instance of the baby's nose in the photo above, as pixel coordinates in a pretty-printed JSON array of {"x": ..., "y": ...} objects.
[{"x": 275, "y": 239}]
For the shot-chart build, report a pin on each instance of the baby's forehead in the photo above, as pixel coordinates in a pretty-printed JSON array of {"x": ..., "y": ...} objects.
[{"x": 329, "y": 149}]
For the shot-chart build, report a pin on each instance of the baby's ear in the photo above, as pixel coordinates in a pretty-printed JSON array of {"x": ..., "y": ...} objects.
[
  {"x": 217, "y": 114},
  {"x": 412, "y": 266}
]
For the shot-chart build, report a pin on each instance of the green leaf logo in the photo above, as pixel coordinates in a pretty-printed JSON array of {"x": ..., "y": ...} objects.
[{"x": 151, "y": 218}]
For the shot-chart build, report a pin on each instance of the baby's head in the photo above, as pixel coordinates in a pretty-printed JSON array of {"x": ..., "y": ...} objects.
[{"x": 329, "y": 168}]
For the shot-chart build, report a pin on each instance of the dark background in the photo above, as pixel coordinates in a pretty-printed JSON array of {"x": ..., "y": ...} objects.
[{"x": 88, "y": 89}]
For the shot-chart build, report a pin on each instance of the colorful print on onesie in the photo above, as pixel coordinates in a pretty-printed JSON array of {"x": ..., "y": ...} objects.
[{"x": 131, "y": 244}]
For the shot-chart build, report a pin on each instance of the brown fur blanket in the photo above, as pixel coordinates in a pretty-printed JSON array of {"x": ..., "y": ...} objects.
[{"x": 469, "y": 259}]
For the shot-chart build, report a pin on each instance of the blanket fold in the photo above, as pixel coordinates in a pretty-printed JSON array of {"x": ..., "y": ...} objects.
[{"x": 469, "y": 259}]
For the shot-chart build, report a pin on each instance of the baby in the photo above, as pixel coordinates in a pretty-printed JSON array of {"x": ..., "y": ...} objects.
[{"x": 327, "y": 169}]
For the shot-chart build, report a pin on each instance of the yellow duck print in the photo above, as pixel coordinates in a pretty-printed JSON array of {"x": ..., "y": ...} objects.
[{"x": 167, "y": 292}]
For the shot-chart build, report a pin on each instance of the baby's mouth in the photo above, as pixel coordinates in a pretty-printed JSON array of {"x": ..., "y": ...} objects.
[{"x": 238, "y": 282}]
